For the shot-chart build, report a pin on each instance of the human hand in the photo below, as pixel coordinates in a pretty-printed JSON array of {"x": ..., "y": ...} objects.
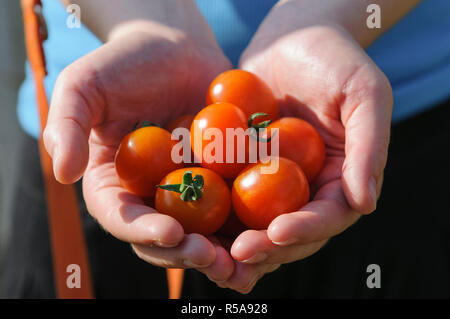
[
  {"x": 155, "y": 73},
  {"x": 321, "y": 74}
]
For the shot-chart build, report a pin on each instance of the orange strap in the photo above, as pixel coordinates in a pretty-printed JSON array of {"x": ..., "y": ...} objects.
[
  {"x": 66, "y": 233},
  {"x": 175, "y": 282}
]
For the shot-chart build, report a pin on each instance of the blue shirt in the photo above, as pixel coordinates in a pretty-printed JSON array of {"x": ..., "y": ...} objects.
[{"x": 414, "y": 54}]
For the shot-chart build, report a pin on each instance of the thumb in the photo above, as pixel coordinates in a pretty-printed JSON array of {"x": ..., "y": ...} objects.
[
  {"x": 76, "y": 106},
  {"x": 367, "y": 133}
]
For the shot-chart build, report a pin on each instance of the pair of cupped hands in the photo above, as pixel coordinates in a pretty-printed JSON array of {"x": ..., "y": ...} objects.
[{"x": 318, "y": 73}]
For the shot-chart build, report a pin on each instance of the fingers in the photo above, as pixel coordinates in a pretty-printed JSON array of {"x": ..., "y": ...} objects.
[
  {"x": 245, "y": 276},
  {"x": 254, "y": 247},
  {"x": 367, "y": 119},
  {"x": 254, "y": 256},
  {"x": 122, "y": 213},
  {"x": 326, "y": 216},
  {"x": 193, "y": 252},
  {"x": 223, "y": 266},
  {"x": 76, "y": 106},
  {"x": 125, "y": 217},
  {"x": 229, "y": 273}
]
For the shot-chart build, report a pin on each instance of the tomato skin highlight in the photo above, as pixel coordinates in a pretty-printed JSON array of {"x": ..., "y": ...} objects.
[
  {"x": 245, "y": 90},
  {"x": 220, "y": 117},
  {"x": 301, "y": 142},
  {"x": 259, "y": 198},
  {"x": 143, "y": 159},
  {"x": 203, "y": 216}
]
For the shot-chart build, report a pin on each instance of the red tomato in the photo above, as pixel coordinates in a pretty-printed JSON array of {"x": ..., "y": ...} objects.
[
  {"x": 300, "y": 142},
  {"x": 217, "y": 118},
  {"x": 204, "y": 215},
  {"x": 258, "y": 198},
  {"x": 144, "y": 158},
  {"x": 245, "y": 90}
]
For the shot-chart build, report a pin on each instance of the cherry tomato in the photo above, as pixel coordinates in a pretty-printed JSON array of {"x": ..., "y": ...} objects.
[
  {"x": 300, "y": 142},
  {"x": 258, "y": 197},
  {"x": 144, "y": 158},
  {"x": 217, "y": 118},
  {"x": 203, "y": 210},
  {"x": 245, "y": 90}
]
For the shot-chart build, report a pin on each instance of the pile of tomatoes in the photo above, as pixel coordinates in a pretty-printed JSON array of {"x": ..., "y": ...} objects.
[{"x": 228, "y": 195}]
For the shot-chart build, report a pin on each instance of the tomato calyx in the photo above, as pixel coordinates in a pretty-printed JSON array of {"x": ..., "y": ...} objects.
[
  {"x": 190, "y": 189},
  {"x": 259, "y": 126},
  {"x": 144, "y": 124}
]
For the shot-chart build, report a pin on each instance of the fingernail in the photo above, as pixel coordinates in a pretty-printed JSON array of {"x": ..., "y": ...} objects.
[
  {"x": 257, "y": 258},
  {"x": 164, "y": 245},
  {"x": 252, "y": 282},
  {"x": 373, "y": 190},
  {"x": 190, "y": 264},
  {"x": 221, "y": 284},
  {"x": 216, "y": 281},
  {"x": 286, "y": 242}
]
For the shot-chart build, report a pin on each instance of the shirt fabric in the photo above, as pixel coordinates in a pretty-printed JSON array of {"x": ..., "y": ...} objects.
[{"x": 414, "y": 54}]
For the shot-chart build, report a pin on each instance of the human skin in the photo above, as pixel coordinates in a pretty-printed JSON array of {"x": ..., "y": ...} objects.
[{"x": 311, "y": 53}]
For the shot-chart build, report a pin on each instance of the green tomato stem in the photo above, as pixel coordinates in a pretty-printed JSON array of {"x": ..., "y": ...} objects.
[
  {"x": 190, "y": 189},
  {"x": 259, "y": 126}
]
